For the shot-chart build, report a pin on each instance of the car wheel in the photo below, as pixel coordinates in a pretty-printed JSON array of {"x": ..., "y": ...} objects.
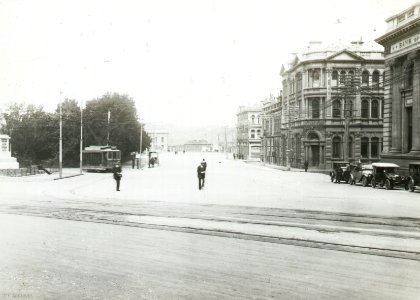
[
  {"x": 388, "y": 184},
  {"x": 373, "y": 183},
  {"x": 411, "y": 186},
  {"x": 365, "y": 181}
]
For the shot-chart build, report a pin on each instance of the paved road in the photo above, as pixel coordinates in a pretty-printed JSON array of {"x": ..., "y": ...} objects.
[{"x": 302, "y": 221}]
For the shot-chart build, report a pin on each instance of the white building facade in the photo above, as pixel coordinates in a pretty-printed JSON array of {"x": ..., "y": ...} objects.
[
  {"x": 249, "y": 132},
  {"x": 159, "y": 140}
]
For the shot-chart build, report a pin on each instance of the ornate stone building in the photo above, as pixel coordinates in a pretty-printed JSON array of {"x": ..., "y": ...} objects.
[
  {"x": 330, "y": 96},
  {"x": 402, "y": 87},
  {"x": 249, "y": 133},
  {"x": 272, "y": 132}
]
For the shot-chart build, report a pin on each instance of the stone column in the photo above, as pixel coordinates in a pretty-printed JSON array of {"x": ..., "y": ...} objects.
[
  {"x": 415, "y": 149},
  {"x": 396, "y": 129},
  {"x": 387, "y": 103}
]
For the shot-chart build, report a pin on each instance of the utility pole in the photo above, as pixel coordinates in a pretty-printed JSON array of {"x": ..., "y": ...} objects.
[
  {"x": 141, "y": 142},
  {"x": 109, "y": 118},
  {"x": 351, "y": 86},
  {"x": 226, "y": 144},
  {"x": 60, "y": 155}
]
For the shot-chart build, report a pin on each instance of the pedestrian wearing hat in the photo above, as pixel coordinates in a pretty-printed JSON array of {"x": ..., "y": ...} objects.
[
  {"x": 201, "y": 173},
  {"x": 117, "y": 176},
  {"x": 204, "y": 163}
]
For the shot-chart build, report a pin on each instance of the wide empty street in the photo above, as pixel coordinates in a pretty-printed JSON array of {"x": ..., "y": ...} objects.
[{"x": 253, "y": 232}]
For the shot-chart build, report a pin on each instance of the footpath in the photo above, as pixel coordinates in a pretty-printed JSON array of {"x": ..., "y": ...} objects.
[{"x": 284, "y": 168}]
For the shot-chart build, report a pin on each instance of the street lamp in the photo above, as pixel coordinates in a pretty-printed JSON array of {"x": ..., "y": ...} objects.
[{"x": 81, "y": 137}]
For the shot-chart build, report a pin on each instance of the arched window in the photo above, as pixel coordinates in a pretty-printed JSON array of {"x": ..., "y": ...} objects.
[
  {"x": 364, "y": 147},
  {"x": 349, "y": 108},
  {"x": 375, "y": 78},
  {"x": 315, "y": 108},
  {"x": 342, "y": 77},
  {"x": 258, "y": 133},
  {"x": 365, "y": 78},
  {"x": 315, "y": 78},
  {"x": 374, "y": 147},
  {"x": 334, "y": 78},
  {"x": 409, "y": 73},
  {"x": 336, "y": 113},
  {"x": 382, "y": 108},
  {"x": 351, "y": 78},
  {"x": 252, "y": 134},
  {"x": 258, "y": 120},
  {"x": 365, "y": 109},
  {"x": 374, "y": 109},
  {"x": 298, "y": 82},
  {"x": 336, "y": 147},
  {"x": 253, "y": 119}
]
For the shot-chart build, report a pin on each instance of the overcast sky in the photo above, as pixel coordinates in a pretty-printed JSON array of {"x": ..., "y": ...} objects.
[{"x": 186, "y": 62}]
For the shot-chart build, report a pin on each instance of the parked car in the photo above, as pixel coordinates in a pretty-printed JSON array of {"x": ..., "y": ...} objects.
[
  {"x": 386, "y": 174},
  {"x": 340, "y": 171},
  {"x": 414, "y": 178},
  {"x": 361, "y": 174}
]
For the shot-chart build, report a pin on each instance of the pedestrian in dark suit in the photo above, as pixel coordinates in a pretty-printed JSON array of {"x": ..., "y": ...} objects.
[
  {"x": 117, "y": 176},
  {"x": 201, "y": 173},
  {"x": 204, "y": 163},
  {"x": 306, "y": 164}
]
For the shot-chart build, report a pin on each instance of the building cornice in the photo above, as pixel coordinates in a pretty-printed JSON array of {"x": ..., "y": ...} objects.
[{"x": 389, "y": 36}]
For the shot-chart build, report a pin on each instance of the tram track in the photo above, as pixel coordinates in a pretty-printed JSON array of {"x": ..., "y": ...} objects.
[{"x": 322, "y": 230}]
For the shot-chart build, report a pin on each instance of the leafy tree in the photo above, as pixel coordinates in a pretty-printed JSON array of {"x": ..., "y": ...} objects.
[
  {"x": 71, "y": 132},
  {"x": 33, "y": 132},
  {"x": 123, "y": 126}
]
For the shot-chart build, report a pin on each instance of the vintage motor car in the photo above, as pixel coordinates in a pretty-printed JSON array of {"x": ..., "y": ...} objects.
[
  {"x": 386, "y": 174},
  {"x": 414, "y": 178},
  {"x": 361, "y": 174},
  {"x": 340, "y": 171}
]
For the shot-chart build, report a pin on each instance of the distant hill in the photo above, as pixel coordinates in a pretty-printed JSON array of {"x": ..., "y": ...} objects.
[{"x": 180, "y": 134}]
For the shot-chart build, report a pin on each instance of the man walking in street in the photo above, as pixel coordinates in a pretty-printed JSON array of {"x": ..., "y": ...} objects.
[
  {"x": 204, "y": 163},
  {"x": 201, "y": 173},
  {"x": 117, "y": 176},
  {"x": 306, "y": 164}
]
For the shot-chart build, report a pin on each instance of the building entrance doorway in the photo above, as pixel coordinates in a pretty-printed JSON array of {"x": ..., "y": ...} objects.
[{"x": 314, "y": 162}]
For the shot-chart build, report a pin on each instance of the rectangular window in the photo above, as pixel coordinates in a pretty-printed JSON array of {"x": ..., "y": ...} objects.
[
  {"x": 410, "y": 13},
  {"x": 364, "y": 147},
  {"x": 374, "y": 148},
  {"x": 401, "y": 18}
]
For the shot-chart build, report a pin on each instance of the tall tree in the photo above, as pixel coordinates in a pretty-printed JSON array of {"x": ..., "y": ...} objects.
[
  {"x": 114, "y": 115},
  {"x": 33, "y": 133},
  {"x": 71, "y": 132}
]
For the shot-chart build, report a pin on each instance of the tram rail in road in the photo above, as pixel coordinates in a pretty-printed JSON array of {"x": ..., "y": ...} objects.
[{"x": 365, "y": 234}]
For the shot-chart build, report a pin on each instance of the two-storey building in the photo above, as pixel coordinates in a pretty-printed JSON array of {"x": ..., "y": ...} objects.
[
  {"x": 248, "y": 130},
  {"x": 332, "y": 99},
  {"x": 272, "y": 135}
]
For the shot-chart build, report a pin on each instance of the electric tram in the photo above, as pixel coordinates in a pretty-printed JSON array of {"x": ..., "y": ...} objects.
[{"x": 101, "y": 158}]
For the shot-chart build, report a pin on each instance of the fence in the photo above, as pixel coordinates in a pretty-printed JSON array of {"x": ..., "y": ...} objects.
[{"x": 32, "y": 170}]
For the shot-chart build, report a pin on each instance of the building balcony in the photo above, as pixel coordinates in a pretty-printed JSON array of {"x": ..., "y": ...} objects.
[{"x": 356, "y": 121}]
